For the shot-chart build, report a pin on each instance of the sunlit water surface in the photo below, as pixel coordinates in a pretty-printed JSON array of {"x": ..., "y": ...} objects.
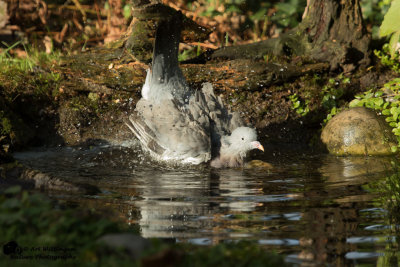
[{"x": 311, "y": 208}]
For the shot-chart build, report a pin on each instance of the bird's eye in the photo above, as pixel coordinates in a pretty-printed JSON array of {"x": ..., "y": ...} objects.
[{"x": 242, "y": 138}]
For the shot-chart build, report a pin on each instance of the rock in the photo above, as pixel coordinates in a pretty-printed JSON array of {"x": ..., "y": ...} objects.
[
  {"x": 45, "y": 181},
  {"x": 358, "y": 131},
  {"x": 86, "y": 125},
  {"x": 72, "y": 122},
  {"x": 346, "y": 171},
  {"x": 258, "y": 165},
  {"x": 134, "y": 244}
]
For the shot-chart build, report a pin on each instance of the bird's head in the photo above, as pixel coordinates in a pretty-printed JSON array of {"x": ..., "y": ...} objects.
[{"x": 244, "y": 139}]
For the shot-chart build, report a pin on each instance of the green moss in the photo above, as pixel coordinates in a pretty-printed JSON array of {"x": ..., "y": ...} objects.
[
  {"x": 139, "y": 43},
  {"x": 30, "y": 79},
  {"x": 89, "y": 104}
]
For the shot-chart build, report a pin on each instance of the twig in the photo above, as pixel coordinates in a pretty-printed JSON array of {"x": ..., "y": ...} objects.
[
  {"x": 211, "y": 46},
  {"x": 78, "y": 5}
]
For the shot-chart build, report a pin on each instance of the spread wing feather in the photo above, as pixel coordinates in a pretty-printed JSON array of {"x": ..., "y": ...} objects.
[{"x": 170, "y": 132}]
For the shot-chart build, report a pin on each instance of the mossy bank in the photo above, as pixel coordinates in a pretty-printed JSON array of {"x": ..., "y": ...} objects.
[{"x": 69, "y": 100}]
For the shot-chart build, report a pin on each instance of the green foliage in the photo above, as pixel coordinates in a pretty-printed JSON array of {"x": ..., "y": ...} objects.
[
  {"x": 127, "y": 11},
  {"x": 15, "y": 71},
  {"x": 328, "y": 98},
  {"x": 6, "y": 58},
  {"x": 6, "y": 126},
  {"x": 331, "y": 114},
  {"x": 26, "y": 64},
  {"x": 288, "y": 13},
  {"x": 332, "y": 92},
  {"x": 300, "y": 107},
  {"x": 33, "y": 221},
  {"x": 233, "y": 254},
  {"x": 391, "y": 26},
  {"x": 373, "y": 12},
  {"x": 387, "y": 60},
  {"x": 189, "y": 53},
  {"x": 386, "y": 102},
  {"x": 388, "y": 190}
]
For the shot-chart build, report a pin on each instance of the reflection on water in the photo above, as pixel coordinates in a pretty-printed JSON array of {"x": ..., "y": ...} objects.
[{"x": 312, "y": 208}]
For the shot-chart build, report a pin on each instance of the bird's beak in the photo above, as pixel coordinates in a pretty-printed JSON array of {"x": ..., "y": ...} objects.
[
  {"x": 257, "y": 145},
  {"x": 261, "y": 147}
]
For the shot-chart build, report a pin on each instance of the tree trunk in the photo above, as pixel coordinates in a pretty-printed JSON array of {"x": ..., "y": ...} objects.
[
  {"x": 138, "y": 40},
  {"x": 336, "y": 33},
  {"x": 331, "y": 31}
]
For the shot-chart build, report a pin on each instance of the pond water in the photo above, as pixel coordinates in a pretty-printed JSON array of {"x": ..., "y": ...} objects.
[{"x": 312, "y": 208}]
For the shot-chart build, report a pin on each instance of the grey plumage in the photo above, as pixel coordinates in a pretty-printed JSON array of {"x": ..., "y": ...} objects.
[{"x": 175, "y": 123}]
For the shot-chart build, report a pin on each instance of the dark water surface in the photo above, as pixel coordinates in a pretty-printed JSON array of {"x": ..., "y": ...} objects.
[{"x": 314, "y": 209}]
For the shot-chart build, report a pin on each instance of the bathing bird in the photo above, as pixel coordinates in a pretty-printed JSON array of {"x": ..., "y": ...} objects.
[{"x": 177, "y": 124}]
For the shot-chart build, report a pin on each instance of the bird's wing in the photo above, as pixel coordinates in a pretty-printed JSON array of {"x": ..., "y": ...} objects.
[
  {"x": 226, "y": 121},
  {"x": 222, "y": 121},
  {"x": 170, "y": 132}
]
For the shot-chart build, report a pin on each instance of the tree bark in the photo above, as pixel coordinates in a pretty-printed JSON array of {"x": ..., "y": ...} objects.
[
  {"x": 331, "y": 31},
  {"x": 336, "y": 33},
  {"x": 138, "y": 39}
]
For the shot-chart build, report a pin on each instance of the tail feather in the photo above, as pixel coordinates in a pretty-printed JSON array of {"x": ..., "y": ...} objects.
[
  {"x": 166, "y": 79},
  {"x": 165, "y": 53}
]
